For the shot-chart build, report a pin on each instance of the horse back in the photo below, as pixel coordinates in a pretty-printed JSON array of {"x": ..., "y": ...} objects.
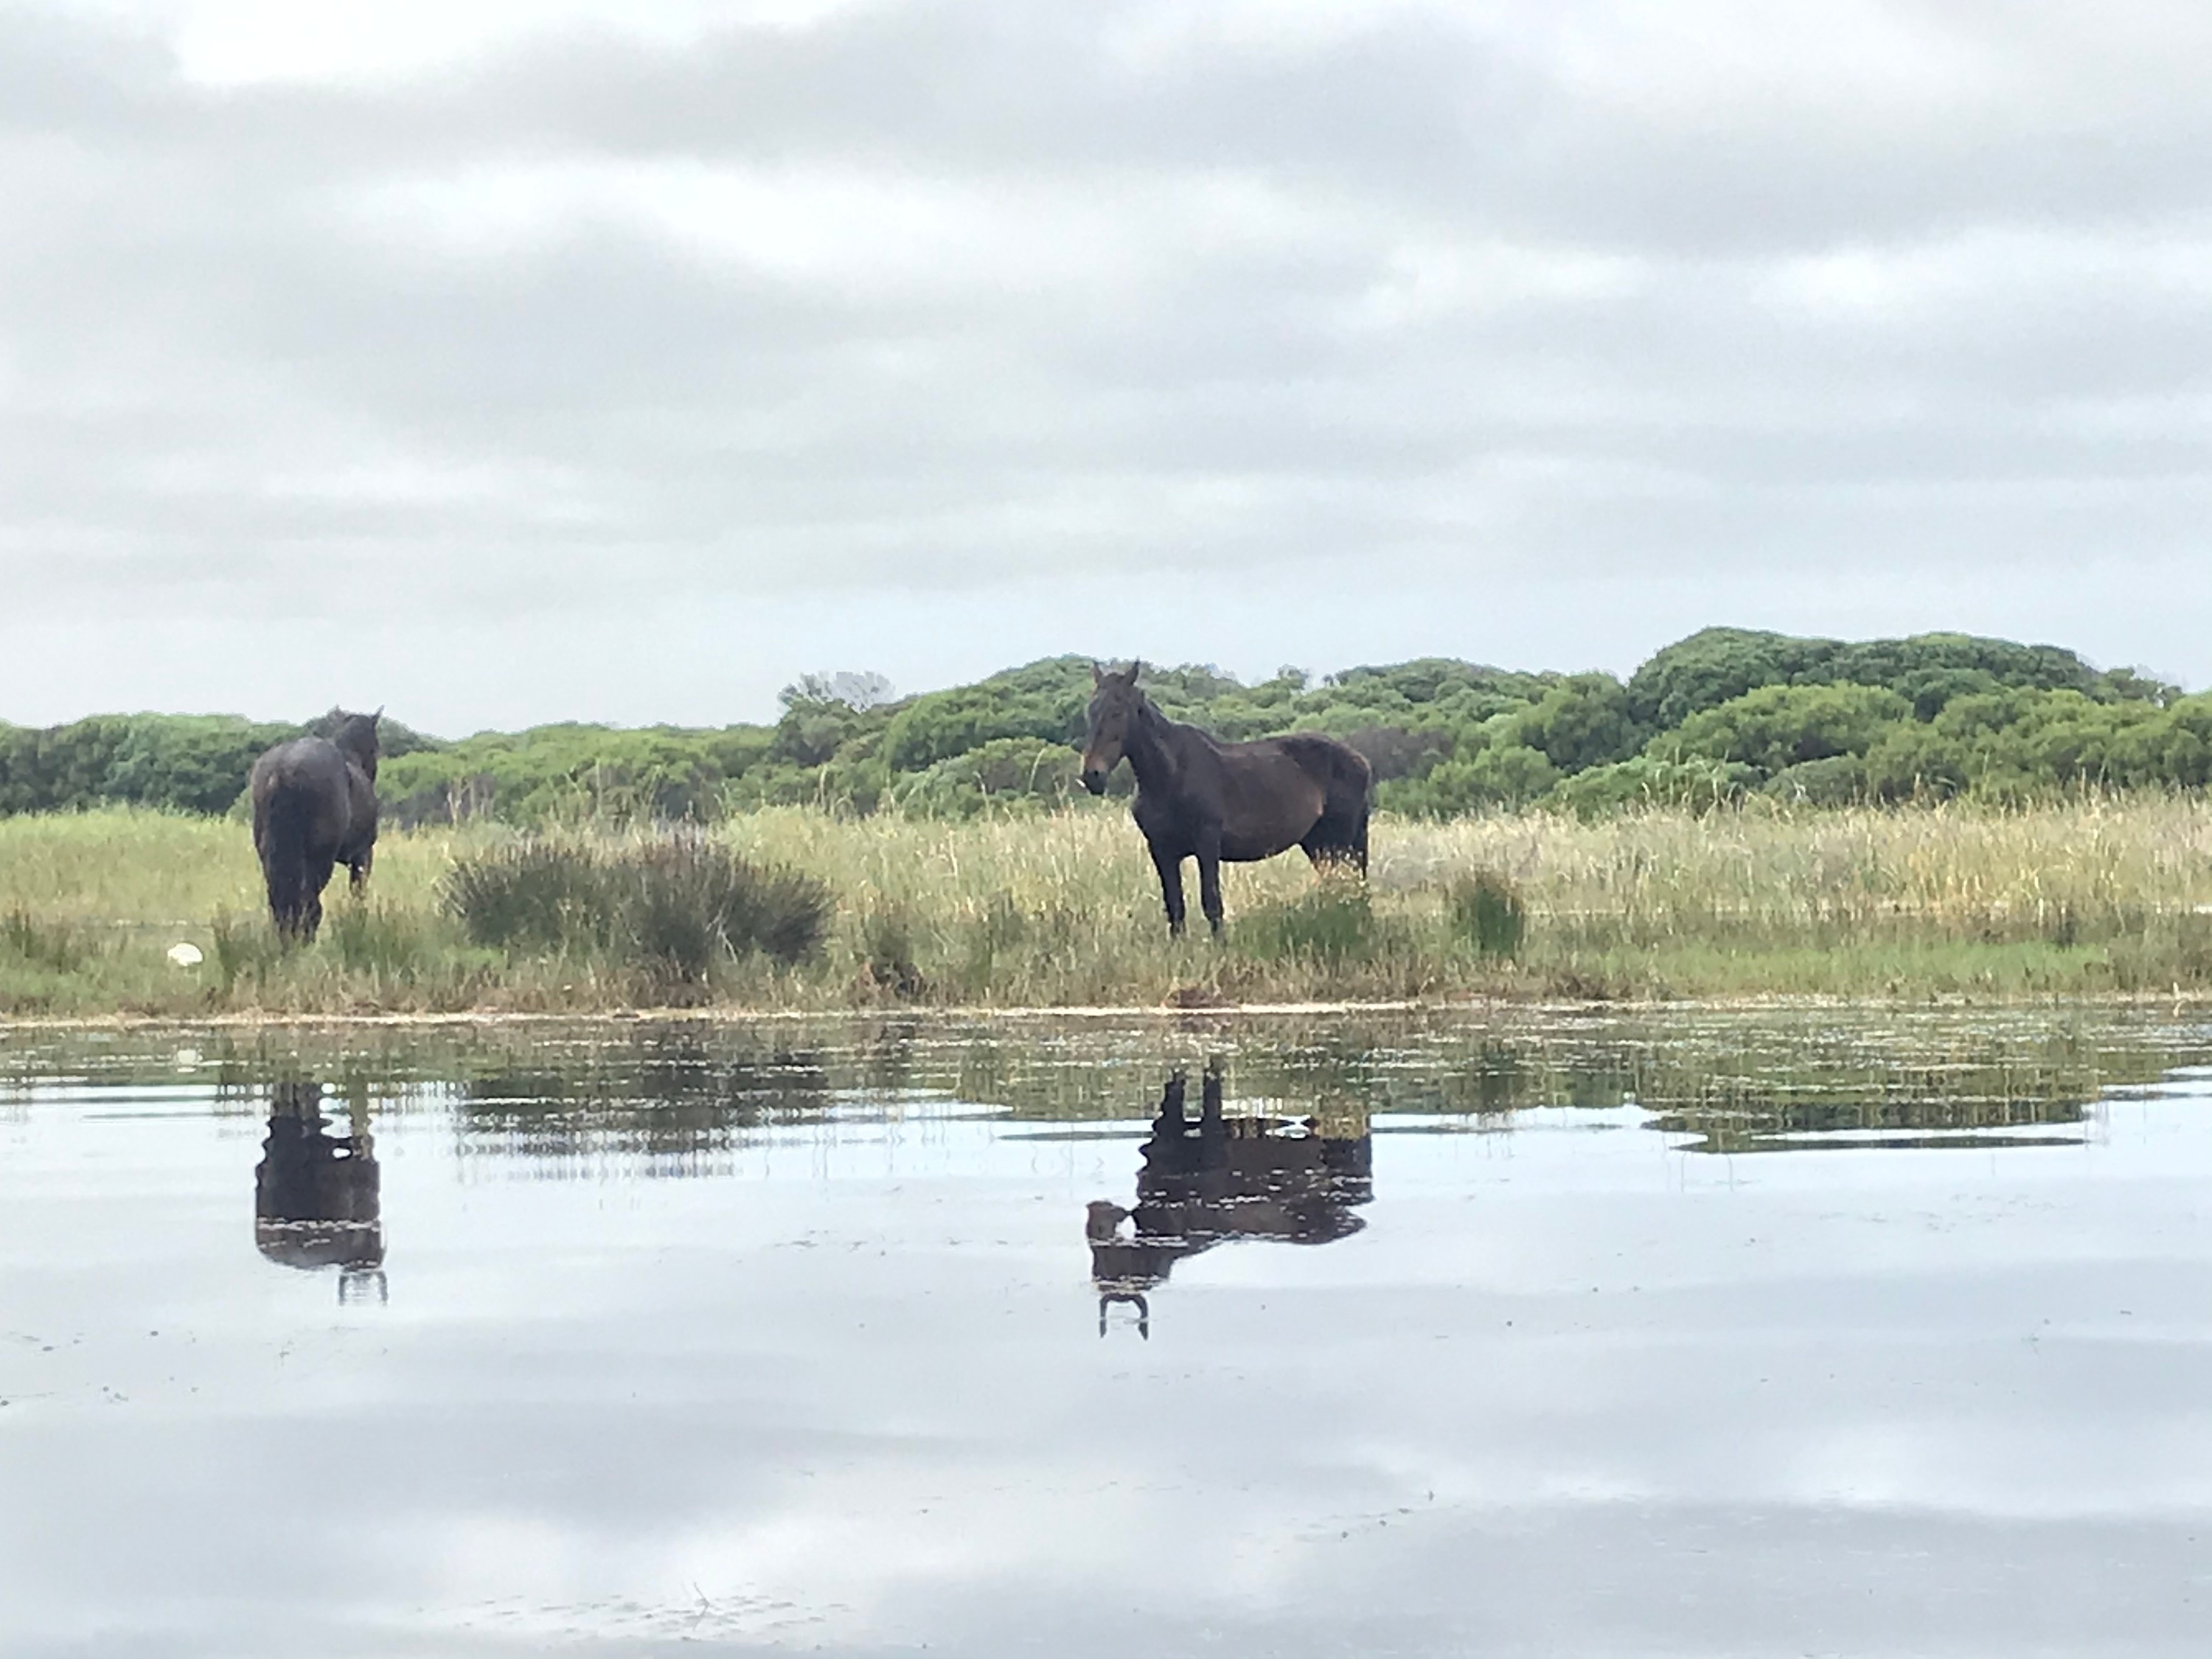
[
  {"x": 1305, "y": 767},
  {"x": 1338, "y": 768},
  {"x": 310, "y": 786}
]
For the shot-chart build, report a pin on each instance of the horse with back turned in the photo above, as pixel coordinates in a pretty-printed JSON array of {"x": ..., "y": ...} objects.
[
  {"x": 1200, "y": 797},
  {"x": 314, "y": 807}
]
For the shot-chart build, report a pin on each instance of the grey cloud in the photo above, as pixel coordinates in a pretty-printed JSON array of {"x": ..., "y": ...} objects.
[{"x": 947, "y": 298}]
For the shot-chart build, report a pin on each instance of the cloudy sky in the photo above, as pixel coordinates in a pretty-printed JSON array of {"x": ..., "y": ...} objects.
[{"x": 503, "y": 361}]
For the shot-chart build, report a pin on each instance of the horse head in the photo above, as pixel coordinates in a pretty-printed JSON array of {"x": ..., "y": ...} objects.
[
  {"x": 354, "y": 736},
  {"x": 1115, "y": 700},
  {"x": 1133, "y": 1298}
]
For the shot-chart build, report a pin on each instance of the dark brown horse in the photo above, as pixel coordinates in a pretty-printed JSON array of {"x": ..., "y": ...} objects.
[
  {"x": 1200, "y": 797},
  {"x": 314, "y": 806}
]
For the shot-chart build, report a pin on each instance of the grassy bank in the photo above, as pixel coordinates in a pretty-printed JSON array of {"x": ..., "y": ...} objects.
[{"x": 2090, "y": 898}]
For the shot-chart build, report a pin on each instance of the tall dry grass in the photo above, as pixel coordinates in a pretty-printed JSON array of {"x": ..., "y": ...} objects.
[{"x": 2089, "y": 898}]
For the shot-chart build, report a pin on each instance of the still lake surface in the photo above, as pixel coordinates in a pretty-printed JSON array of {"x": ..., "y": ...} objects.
[{"x": 1657, "y": 1332}]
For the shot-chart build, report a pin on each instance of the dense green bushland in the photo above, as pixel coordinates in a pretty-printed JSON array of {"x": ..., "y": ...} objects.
[
  {"x": 1713, "y": 720},
  {"x": 184, "y": 762}
]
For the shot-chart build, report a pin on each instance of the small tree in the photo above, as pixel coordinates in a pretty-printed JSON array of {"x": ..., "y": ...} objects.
[{"x": 857, "y": 689}]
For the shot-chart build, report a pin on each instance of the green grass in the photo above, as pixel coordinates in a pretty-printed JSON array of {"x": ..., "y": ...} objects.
[{"x": 2090, "y": 898}]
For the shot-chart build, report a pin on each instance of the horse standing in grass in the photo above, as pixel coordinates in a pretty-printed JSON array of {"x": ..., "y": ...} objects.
[
  {"x": 314, "y": 807},
  {"x": 1200, "y": 797}
]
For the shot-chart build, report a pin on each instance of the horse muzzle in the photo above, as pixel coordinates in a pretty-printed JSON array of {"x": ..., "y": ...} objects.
[{"x": 1094, "y": 779}]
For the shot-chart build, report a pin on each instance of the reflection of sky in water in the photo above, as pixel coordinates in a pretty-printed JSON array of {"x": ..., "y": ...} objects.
[{"x": 1572, "y": 1387}]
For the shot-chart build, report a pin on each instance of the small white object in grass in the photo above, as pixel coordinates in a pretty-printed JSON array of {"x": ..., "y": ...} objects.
[{"x": 183, "y": 955}]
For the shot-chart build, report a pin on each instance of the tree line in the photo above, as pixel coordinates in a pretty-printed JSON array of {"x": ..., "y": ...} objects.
[{"x": 1723, "y": 716}]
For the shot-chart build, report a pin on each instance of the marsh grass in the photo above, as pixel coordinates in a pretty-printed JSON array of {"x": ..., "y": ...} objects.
[
  {"x": 2092, "y": 897},
  {"x": 1486, "y": 913},
  {"x": 54, "y": 945},
  {"x": 1333, "y": 926},
  {"x": 674, "y": 906}
]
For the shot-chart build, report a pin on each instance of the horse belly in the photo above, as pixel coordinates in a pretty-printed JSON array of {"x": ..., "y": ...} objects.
[
  {"x": 1269, "y": 808},
  {"x": 1251, "y": 849}
]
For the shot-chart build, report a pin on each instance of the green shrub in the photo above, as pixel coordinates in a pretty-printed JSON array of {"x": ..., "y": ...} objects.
[
  {"x": 1698, "y": 785},
  {"x": 692, "y": 900},
  {"x": 533, "y": 894},
  {"x": 1583, "y": 721},
  {"x": 1837, "y": 781},
  {"x": 1018, "y": 773},
  {"x": 679, "y": 908},
  {"x": 1498, "y": 775},
  {"x": 1779, "y": 727}
]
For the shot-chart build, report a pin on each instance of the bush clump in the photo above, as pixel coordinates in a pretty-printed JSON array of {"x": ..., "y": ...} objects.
[
  {"x": 532, "y": 895},
  {"x": 675, "y": 905}
]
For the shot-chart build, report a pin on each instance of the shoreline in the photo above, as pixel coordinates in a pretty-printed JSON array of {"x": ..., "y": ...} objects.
[{"x": 2196, "y": 1001}]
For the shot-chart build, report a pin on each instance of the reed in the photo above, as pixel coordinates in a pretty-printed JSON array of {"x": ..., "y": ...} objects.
[{"x": 2092, "y": 897}]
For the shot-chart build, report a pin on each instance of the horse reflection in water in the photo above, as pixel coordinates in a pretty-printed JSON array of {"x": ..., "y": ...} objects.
[
  {"x": 1219, "y": 1177},
  {"x": 316, "y": 1202}
]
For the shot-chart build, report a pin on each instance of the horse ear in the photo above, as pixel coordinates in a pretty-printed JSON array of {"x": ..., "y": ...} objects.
[
  {"x": 377, "y": 715},
  {"x": 1135, "y": 665},
  {"x": 1098, "y": 675}
]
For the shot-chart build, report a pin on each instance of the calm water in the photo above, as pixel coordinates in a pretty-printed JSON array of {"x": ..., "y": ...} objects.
[{"x": 1664, "y": 1334}]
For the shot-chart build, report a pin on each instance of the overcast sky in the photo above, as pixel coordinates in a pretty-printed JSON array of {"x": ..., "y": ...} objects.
[{"x": 543, "y": 359}]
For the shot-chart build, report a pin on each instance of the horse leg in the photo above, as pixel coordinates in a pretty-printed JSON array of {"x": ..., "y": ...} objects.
[
  {"x": 1209, "y": 877},
  {"x": 1171, "y": 868},
  {"x": 318, "y": 876}
]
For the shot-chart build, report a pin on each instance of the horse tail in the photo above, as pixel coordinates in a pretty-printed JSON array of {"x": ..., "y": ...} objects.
[
  {"x": 1347, "y": 785},
  {"x": 282, "y": 821},
  {"x": 1356, "y": 778}
]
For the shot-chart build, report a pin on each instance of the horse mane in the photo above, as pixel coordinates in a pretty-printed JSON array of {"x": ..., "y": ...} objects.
[
  {"x": 1165, "y": 728},
  {"x": 1160, "y": 733}
]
